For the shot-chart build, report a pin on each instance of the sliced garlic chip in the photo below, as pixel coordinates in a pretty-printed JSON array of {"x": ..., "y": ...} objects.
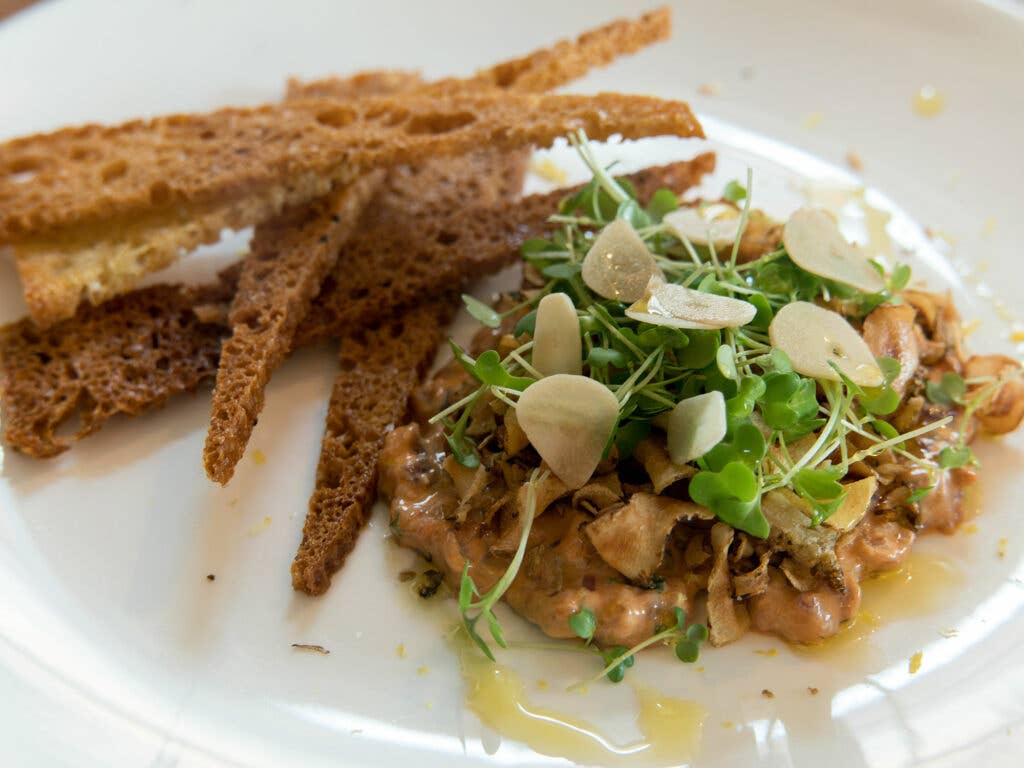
[
  {"x": 814, "y": 243},
  {"x": 854, "y": 506},
  {"x": 718, "y": 221},
  {"x": 568, "y": 420},
  {"x": 557, "y": 346},
  {"x": 813, "y": 337},
  {"x": 695, "y": 426},
  {"x": 618, "y": 264},
  {"x": 678, "y": 307}
]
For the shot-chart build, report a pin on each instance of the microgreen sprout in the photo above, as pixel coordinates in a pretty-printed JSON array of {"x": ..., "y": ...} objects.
[
  {"x": 651, "y": 368},
  {"x": 685, "y": 641},
  {"x": 474, "y": 606}
]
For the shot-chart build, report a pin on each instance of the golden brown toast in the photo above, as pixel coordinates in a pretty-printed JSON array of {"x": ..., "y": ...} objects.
[
  {"x": 103, "y": 360},
  {"x": 377, "y": 371},
  {"x": 168, "y": 173},
  {"x": 290, "y": 255},
  {"x": 538, "y": 72}
]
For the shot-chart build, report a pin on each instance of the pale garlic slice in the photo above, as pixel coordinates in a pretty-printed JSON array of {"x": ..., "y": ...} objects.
[
  {"x": 676, "y": 306},
  {"x": 815, "y": 339},
  {"x": 695, "y": 426},
  {"x": 717, "y": 223},
  {"x": 568, "y": 420},
  {"x": 855, "y": 505},
  {"x": 557, "y": 345},
  {"x": 815, "y": 244},
  {"x": 618, "y": 264}
]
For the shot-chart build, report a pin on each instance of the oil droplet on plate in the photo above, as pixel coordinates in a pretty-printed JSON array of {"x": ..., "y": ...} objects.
[
  {"x": 919, "y": 587},
  {"x": 259, "y": 457},
  {"x": 671, "y": 728},
  {"x": 928, "y": 101},
  {"x": 915, "y": 663}
]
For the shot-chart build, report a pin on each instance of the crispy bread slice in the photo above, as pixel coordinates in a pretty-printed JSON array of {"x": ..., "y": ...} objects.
[
  {"x": 169, "y": 173},
  {"x": 127, "y": 356},
  {"x": 279, "y": 279},
  {"x": 107, "y": 360},
  {"x": 378, "y": 369},
  {"x": 290, "y": 256},
  {"x": 538, "y": 72}
]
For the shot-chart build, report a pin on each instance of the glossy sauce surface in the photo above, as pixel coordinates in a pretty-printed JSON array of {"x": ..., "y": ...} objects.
[{"x": 670, "y": 728}]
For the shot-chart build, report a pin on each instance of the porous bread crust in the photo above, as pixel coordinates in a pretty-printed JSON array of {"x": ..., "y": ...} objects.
[
  {"x": 187, "y": 160},
  {"x": 335, "y": 141},
  {"x": 127, "y": 356},
  {"x": 90, "y": 265},
  {"x": 93, "y": 263},
  {"x": 378, "y": 369},
  {"x": 543, "y": 70},
  {"x": 289, "y": 258},
  {"x": 40, "y": 372},
  {"x": 357, "y": 86}
]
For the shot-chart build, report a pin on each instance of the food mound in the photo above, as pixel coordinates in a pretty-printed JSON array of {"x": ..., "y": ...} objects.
[{"x": 691, "y": 402}]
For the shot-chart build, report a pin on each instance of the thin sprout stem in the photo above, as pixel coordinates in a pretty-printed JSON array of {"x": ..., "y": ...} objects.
[
  {"x": 663, "y": 635},
  {"x": 744, "y": 217},
  {"x": 456, "y": 406}
]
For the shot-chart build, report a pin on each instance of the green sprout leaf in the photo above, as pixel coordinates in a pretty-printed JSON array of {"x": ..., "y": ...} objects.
[
  {"x": 920, "y": 494},
  {"x": 662, "y": 201},
  {"x": 899, "y": 278},
  {"x": 734, "y": 192},
  {"x": 602, "y": 357},
  {"x": 562, "y": 270},
  {"x": 732, "y": 494},
  {"x": 949, "y": 390},
  {"x": 954, "y": 456},
  {"x": 583, "y": 623},
  {"x": 526, "y": 324},
  {"x": 482, "y": 312}
]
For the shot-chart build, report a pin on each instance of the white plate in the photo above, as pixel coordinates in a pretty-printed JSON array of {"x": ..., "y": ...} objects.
[{"x": 116, "y": 650}]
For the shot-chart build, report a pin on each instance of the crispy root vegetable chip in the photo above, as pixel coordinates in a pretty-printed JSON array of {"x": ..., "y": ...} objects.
[
  {"x": 676, "y": 306},
  {"x": 718, "y": 223},
  {"x": 695, "y": 426},
  {"x": 557, "y": 346},
  {"x": 814, "y": 243},
  {"x": 631, "y": 539},
  {"x": 855, "y": 504},
  {"x": 568, "y": 420},
  {"x": 815, "y": 338},
  {"x": 618, "y": 265}
]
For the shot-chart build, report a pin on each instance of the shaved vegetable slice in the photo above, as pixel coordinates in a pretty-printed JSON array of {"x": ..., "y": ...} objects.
[
  {"x": 568, "y": 420},
  {"x": 855, "y": 504},
  {"x": 816, "y": 338},
  {"x": 695, "y": 426},
  {"x": 700, "y": 224},
  {"x": 618, "y": 265},
  {"x": 557, "y": 346},
  {"x": 676, "y": 306},
  {"x": 814, "y": 243}
]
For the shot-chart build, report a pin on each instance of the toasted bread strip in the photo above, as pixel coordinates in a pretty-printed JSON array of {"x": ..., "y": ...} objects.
[
  {"x": 127, "y": 356},
  {"x": 281, "y": 275},
  {"x": 378, "y": 370},
  {"x": 537, "y": 72},
  {"x": 107, "y": 360},
  {"x": 291, "y": 254},
  {"x": 166, "y": 173}
]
